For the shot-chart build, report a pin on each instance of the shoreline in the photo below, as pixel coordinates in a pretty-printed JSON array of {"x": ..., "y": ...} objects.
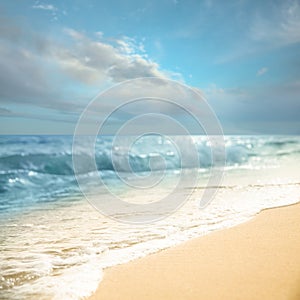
[{"x": 258, "y": 259}]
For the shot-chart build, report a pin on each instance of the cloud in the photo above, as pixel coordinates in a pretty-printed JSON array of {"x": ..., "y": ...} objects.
[
  {"x": 262, "y": 71},
  {"x": 63, "y": 75},
  {"x": 281, "y": 28},
  {"x": 49, "y": 7},
  {"x": 266, "y": 109},
  {"x": 76, "y": 35},
  {"x": 99, "y": 34},
  {"x": 129, "y": 46},
  {"x": 17, "y": 114},
  {"x": 91, "y": 61},
  {"x": 54, "y": 12},
  {"x": 4, "y": 111},
  {"x": 29, "y": 75},
  {"x": 21, "y": 75}
]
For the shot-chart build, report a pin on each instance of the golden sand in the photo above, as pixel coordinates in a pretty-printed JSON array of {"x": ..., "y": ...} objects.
[{"x": 259, "y": 259}]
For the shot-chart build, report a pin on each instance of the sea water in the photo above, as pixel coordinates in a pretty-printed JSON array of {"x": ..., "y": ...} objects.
[{"x": 55, "y": 245}]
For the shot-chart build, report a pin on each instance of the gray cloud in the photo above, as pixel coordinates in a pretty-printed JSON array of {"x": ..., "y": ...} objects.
[
  {"x": 21, "y": 75},
  {"x": 4, "y": 111},
  {"x": 24, "y": 80},
  {"x": 268, "y": 109},
  {"x": 39, "y": 71}
]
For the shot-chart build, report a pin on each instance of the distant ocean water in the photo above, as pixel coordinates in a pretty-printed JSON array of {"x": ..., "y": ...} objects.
[{"x": 54, "y": 245}]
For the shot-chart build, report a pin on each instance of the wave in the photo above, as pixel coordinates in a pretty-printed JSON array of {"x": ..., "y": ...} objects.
[
  {"x": 54, "y": 156},
  {"x": 282, "y": 143},
  {"x": 39, "y": 162},
  {"x": 41, "y": 168}
]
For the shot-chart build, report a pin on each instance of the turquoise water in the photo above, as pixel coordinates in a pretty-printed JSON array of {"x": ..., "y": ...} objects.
[{"x": 54, "y": 245}]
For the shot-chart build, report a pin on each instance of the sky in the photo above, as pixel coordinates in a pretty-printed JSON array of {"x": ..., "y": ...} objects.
[{"x": 243, "y": 56}]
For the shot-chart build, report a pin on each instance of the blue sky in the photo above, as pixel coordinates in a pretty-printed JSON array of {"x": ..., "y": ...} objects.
[{"x": 242, "y": 55}]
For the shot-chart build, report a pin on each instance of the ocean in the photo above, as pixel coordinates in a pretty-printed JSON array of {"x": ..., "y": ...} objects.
[{"x": 55, "y": 245}]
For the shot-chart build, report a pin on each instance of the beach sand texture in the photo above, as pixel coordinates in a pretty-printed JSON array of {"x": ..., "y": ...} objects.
[{"x": 259, "y": 259}]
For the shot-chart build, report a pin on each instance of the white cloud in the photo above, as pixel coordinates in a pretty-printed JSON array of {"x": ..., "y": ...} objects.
[
  {"x": 49, "y": 7},
  {"x": 213, "y": 89},
  {"x": 126, "y": 45},
  {"x": 91, "y": 61},
  {"x": 99, "y": 34},
  {"x": 73, "y": 33},
  {"x": 262, "y": 71}
]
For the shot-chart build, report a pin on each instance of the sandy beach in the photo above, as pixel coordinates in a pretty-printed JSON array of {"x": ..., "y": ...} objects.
[{"x": 259, "y": 259}]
